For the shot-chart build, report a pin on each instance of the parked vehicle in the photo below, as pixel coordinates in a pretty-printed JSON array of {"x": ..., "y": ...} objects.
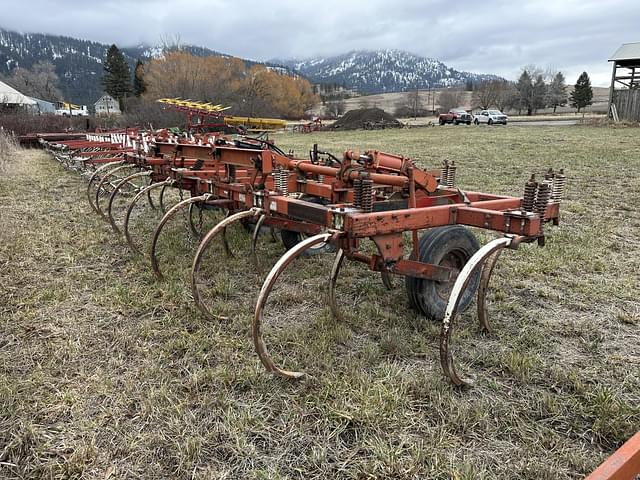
[
  {"x": 67, "y": 109},
  {"x": 490, "y": 117},
  {"x": 455, "y": 116}
]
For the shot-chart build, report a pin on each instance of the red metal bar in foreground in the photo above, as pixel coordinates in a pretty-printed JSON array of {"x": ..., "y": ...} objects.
[{"x": 624, "y": 464}]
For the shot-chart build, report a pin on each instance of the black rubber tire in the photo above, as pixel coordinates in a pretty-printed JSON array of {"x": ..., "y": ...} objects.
[
  {"x": 505, "y": 123},
  {"x": 443, "y": 245},
  {"x": 490, "y": 122},
  {"x": 469, "y": 122},
  {"x": 441, "y": 121},
  {"x": 456, "y": 122}
]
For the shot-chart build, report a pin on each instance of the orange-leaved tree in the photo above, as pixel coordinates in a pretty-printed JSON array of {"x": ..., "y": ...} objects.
[{"x": 250, "y": 91}]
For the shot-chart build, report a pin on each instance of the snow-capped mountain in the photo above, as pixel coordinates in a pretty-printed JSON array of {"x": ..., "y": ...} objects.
[
  {"x": 381, "y": 71},
  {"x": 78, "y": 63}
]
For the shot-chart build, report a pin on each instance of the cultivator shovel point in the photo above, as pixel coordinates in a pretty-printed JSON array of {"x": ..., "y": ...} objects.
[{"x": 322, "y": 204}]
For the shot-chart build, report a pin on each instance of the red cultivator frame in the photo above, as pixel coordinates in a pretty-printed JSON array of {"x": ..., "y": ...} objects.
[{"x": 338, "y": 202}]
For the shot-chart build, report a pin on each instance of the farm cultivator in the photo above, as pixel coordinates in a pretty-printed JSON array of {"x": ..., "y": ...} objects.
[{"x": 321, "y": 204}]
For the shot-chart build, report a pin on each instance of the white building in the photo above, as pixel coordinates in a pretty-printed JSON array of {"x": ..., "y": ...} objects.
[
  {"x": 107, "y": 105},
  {"x": 11, "y": 98}
]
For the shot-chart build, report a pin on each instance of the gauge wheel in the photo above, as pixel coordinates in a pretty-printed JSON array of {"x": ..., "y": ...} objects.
[{"x": 448, "y": 246}]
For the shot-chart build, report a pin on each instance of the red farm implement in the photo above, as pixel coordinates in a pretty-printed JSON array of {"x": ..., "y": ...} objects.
[{"x": 415, "y": 218}]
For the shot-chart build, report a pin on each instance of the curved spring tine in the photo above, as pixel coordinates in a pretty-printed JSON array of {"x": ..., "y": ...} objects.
[
  {"x": 272, "y": 277},
  {"x": 192, "y": 226},
  {"x": 109, "y": 174},
  {"x": 446, "y": 356},
  {"x": 254, "y": 240},
  {"x": 163, "y": 208},
  {"x": 335, "y": 271},
  {"x": 93, "y": 177},
  {"x": 149, "y": 199},
  {"x": 199, "y": 233},
  {"x": 387, "y": 280},
  {"x": 485, "y": 277},
  {"x": 167, "y": 216},
  {"x": 220, "y": 227},
  {"x": 127, "y": 217},
  {"x": 122, "y": 182}
]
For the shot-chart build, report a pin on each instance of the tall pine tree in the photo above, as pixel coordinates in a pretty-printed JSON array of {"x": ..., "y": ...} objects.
[
  {"x": 557, "y": 92},
  {"x": 525, "y": 92},
  {"x": 117, "y": 77},
  {"x": 139, "y": 87},
  {"x": 582, "y": 94},
  {"x": 538, "y": 93}
]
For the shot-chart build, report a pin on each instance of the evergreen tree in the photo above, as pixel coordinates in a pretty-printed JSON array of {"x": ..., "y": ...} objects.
[
  {"x": 139, "y": 87},
  {"x": 525, "y": 91},
  {"x": 557, "y": 92},
  {"x": 582, "y": 94},
  {"x": 538, "y": 93},
  {"x": 117, "y": 77}
]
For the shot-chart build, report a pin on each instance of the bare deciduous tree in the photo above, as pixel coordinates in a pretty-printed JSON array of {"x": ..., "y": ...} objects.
[
  {"x": 557, "y": 91},
  {"x": 487, "y": 94},
  {"x": 449, "y": 99},
  {"x": 40, "y": 81},
  {"x": 336, "y": 108}
]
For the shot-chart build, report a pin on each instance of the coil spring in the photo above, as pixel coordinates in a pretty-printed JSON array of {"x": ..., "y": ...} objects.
[
  {"x": 367, "y": 195},
  {"x": 549, "y": 175},
  {"x": 451, "y": 175},
  {"x": 543, "y": 197},
  {"x": 445, "y": 173},
  {"x": 284, "y": 181},
  {"x": 559, "y": 181},
  {"x": 357, "y": 193},
  {"x": 529, "y": 197},
  {"x": 276, "y": 179}
]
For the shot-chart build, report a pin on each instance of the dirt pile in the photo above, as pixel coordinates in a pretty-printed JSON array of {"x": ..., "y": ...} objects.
[{"x": 367, "y": 118}]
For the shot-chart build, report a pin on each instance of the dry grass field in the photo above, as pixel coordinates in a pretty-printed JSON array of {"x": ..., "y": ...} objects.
[
  {"x": 389, "y": 101},
  {"x": 106, "y": 373}
]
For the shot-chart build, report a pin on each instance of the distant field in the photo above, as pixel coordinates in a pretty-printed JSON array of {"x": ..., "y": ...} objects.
[
  {"x": 106, "y": 373},
  {"x": 389, "y": 101}
]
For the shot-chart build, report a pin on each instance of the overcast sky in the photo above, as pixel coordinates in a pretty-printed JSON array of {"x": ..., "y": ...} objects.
[{"x": 484, "y": 36}]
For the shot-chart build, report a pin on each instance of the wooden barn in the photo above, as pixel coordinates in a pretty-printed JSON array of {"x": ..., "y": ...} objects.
[{"x": 624, "y": 92}]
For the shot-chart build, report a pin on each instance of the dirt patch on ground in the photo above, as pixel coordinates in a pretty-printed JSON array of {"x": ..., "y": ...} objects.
[{"x": 366, "y": 118}]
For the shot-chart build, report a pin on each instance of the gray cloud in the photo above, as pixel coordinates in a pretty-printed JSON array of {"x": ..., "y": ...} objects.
[{"x": 489, "y": 36}]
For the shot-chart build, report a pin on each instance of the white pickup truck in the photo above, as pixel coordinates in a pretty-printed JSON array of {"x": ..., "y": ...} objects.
[
  {"x": 66, "y": 109},
  {"x": 490, "y": 117}
]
